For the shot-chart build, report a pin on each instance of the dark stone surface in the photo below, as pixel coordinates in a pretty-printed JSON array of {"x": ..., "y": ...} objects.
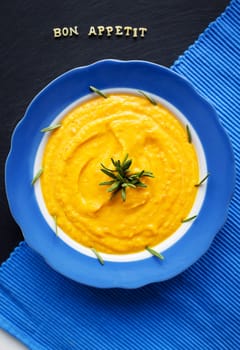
[{"x": 31, "y": 57}]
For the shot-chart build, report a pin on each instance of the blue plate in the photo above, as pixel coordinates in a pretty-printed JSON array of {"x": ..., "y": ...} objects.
[{"x": 67, "y": 89}]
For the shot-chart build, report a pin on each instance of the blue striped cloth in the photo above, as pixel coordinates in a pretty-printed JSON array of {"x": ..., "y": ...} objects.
[{"x": 199, "y": 309}]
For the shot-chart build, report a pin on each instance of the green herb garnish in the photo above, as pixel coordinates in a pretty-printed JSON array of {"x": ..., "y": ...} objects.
[
  {"x": 148, "y": 97},
  {"x": 122, "y": 178},
  {"x": 51, "y": 128},
  {"x": 189, "y": 219},
  {"x": 99, "y": 92},
  {"x": 56, "y": 225},
  {"x": 153, "y": 252},
  {"x": 37, "y": 176},
  {"x": 202, "y": 181},
  {"x": 189, "y": 136},
  {"x": 100, "y": 259}
]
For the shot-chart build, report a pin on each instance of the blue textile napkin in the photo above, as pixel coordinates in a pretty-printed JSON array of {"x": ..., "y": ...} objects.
[{"x": 198, "y": 309}]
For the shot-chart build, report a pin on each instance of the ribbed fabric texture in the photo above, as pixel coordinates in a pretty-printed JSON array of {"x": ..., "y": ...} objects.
[{"x": 199, "y": 309}]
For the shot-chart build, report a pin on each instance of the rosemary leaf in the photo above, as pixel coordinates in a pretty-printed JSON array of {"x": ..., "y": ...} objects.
[
  {"x": 140, "y": 174},
  {"x": 135, "y": 181},
  {"x": 56, "y": 225},
  {"x": 119, "y": 169},
  {"x": 51, "y": 128},
  {"x": 100, "y": 259},
  {"x": 109, "y": 173},
  {"x": 114, "y": 187},
  {"x": 134, "y": 177},
  {"x": 125, "y": 158},
  {"x": 127, "y": 164},
  {"x": 37, "y": 176},
  {"x": 141, "y": 184},
  {"x": 113, "y": 161},
  {"x": 99, "y": 92},
  {"x": 202, "y": 181},
  {"x": 104, "y": 167},
  {"x": 189, "y": 136},
  {"x": 106, "y": 183},
  {"x": 129, "y": 185},
  {"x": 147, "y": 173},
  {"x": 189, "y": 219},
  {"x": 148, "y": 97},
  {"x": 153, "y": 252},
  {"x": 123, "y": 193}
]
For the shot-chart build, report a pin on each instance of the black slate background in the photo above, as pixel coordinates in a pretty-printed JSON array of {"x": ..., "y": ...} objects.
[{"x": 30, "y": 57}]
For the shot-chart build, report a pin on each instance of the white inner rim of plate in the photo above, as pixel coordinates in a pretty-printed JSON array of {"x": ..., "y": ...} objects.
[{"x": 178, "y": 234}]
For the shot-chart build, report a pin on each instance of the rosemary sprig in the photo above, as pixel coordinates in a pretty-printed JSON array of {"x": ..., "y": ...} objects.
[
  {"x": 122, "y": 178},
  {"x": 51, "y": 127},
  {"x": 100, "y": 259},
  {"x": 153, "y": 252},
  {"x": 37, "y": 176},
  {"x": 97, "y": 91},
  {"x": 148, "y": 97},
  {"x": 202, "y": 181},
  {"x": 189, "y": 136},
  {"x": 189, "y": 219}
]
